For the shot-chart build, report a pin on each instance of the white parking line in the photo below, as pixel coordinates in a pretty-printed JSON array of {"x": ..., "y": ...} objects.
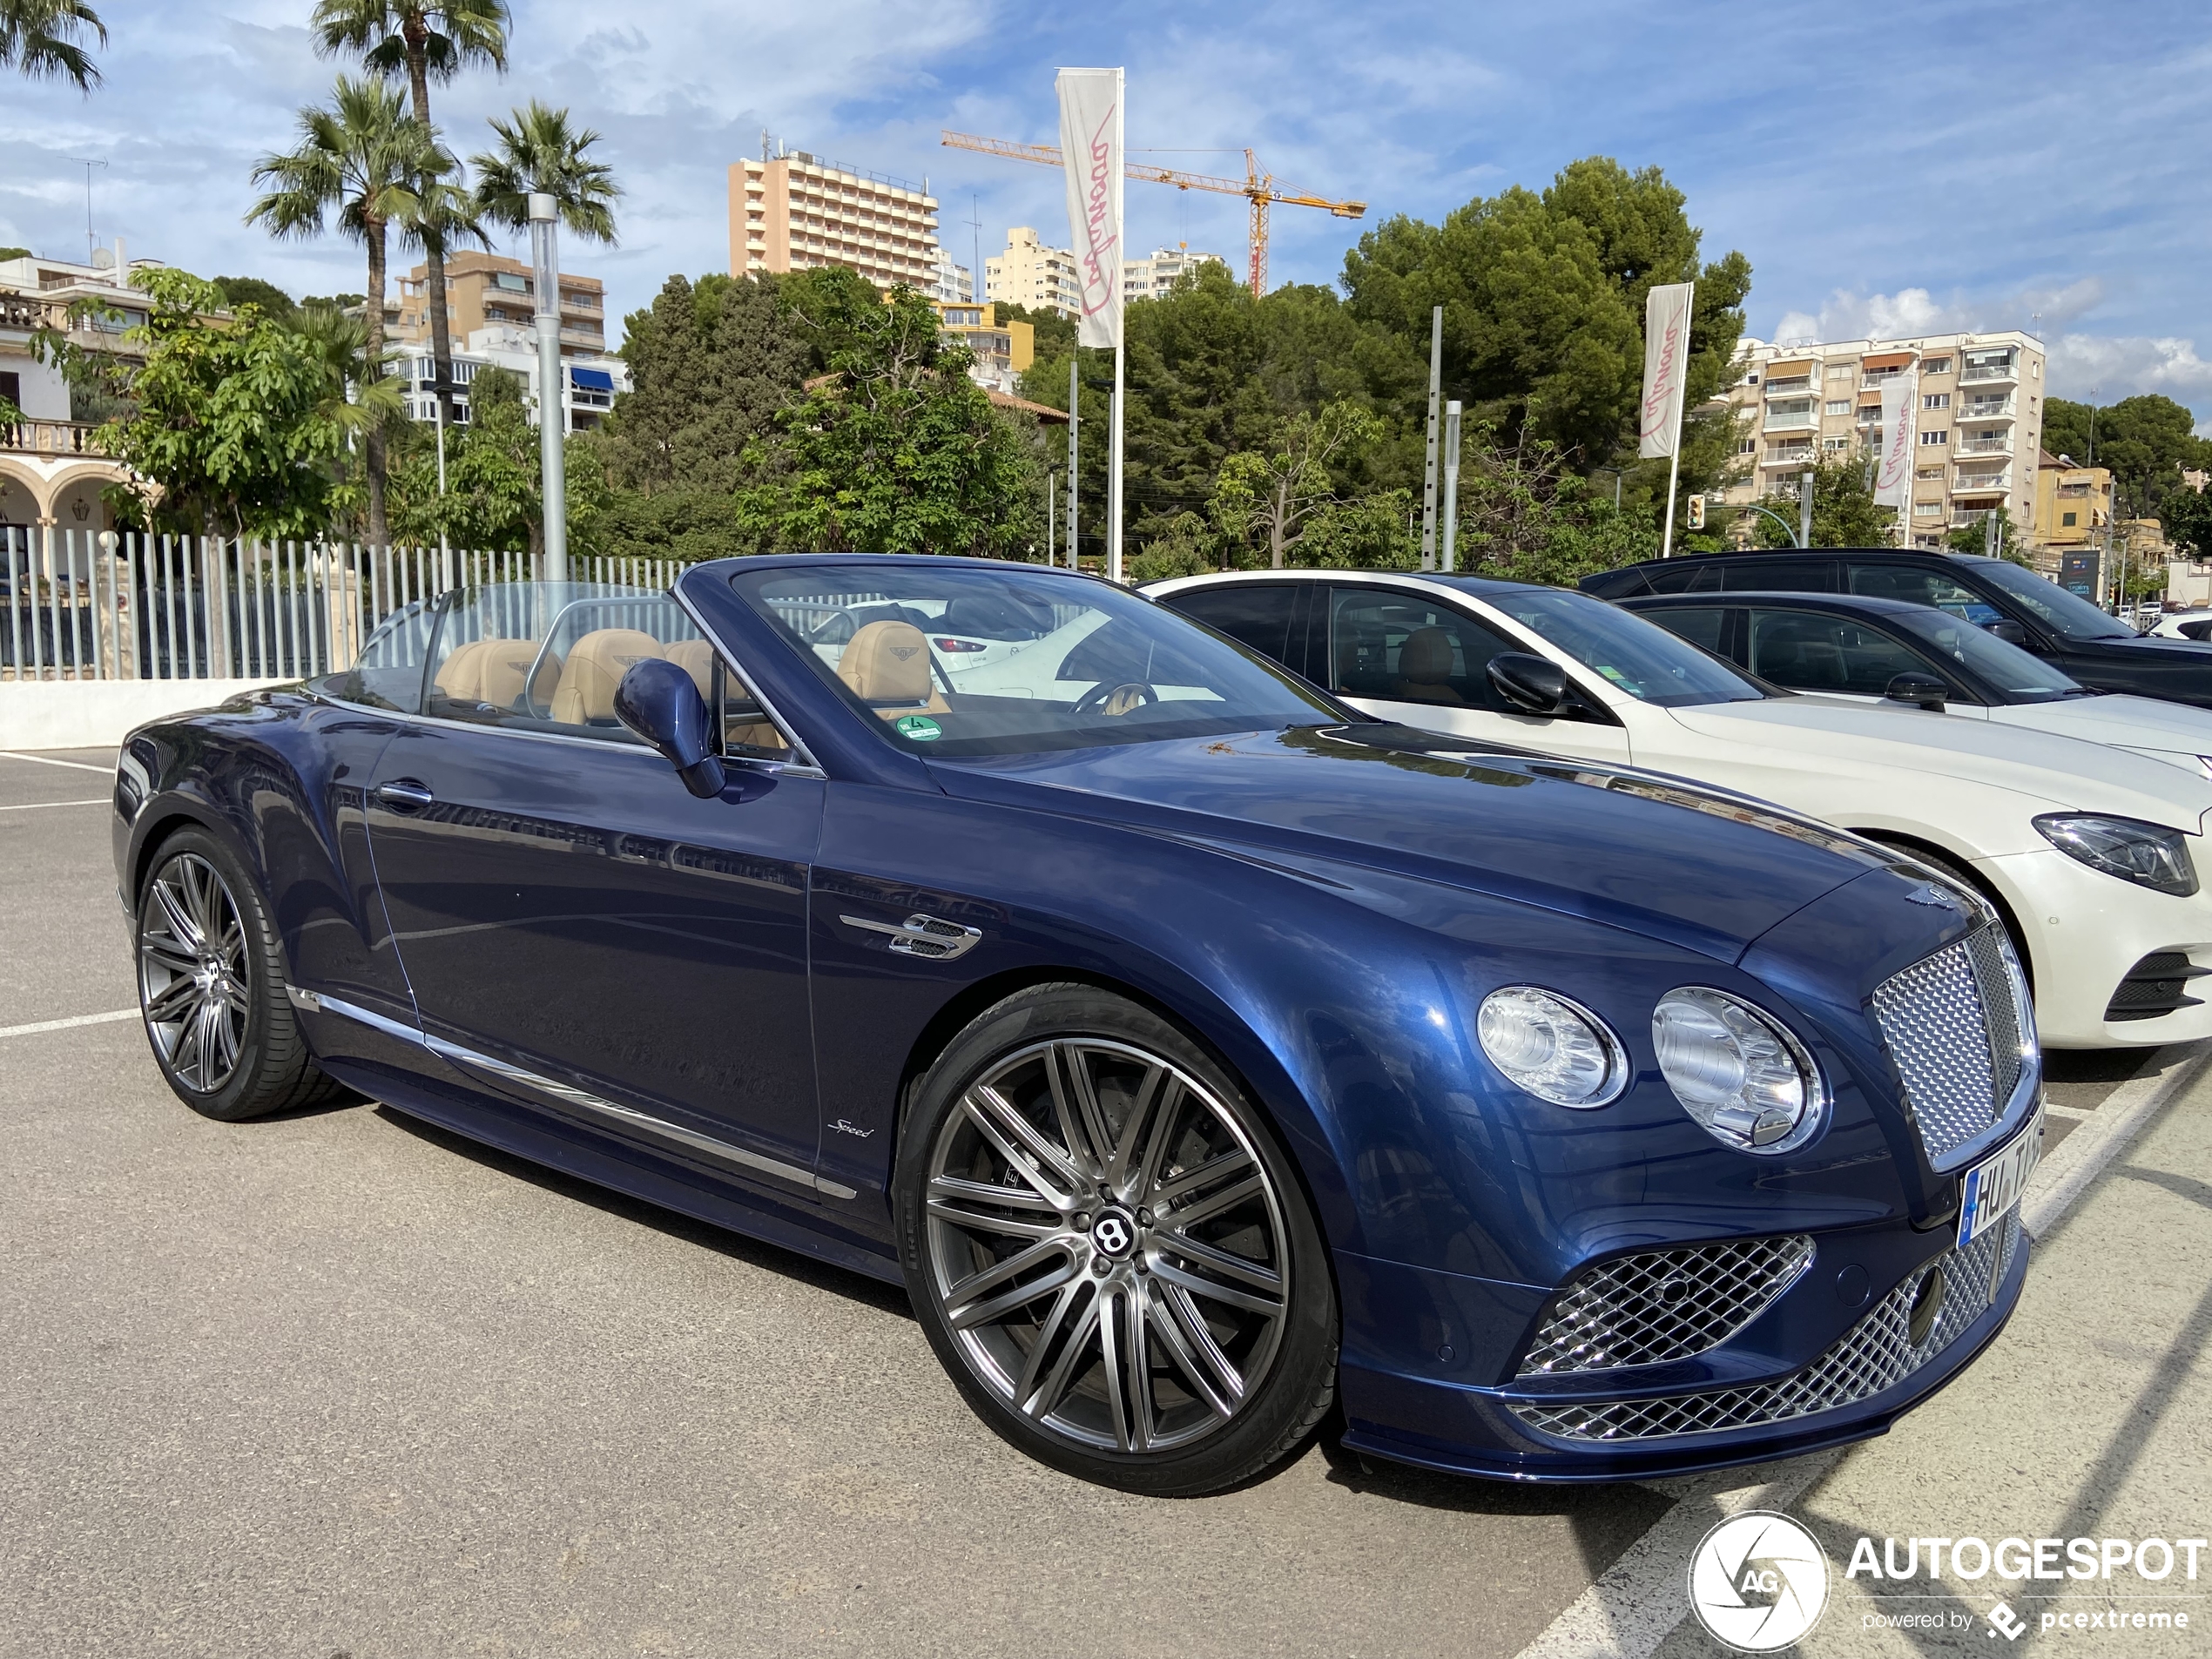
[
  {"x": 63, "y": 1025},
  {"x": 47, "y": 760},
  {"x": 40, "y": 805},
  {"x": 1637, "y": 1602}
]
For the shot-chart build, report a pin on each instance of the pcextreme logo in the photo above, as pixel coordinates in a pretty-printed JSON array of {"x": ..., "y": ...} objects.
[{"x": 1758, "y": 1582}]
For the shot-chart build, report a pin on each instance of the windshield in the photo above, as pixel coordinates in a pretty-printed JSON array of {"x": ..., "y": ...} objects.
[
  {"x": 1630, "y": 653},
  {"x": 2068, "y": 615},
  {"x": 2022, "y": 676},
  {"x": 956, "y": 660}
]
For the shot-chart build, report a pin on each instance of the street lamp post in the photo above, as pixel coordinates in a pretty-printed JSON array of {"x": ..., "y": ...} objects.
[{"x": 552, "y": 460}]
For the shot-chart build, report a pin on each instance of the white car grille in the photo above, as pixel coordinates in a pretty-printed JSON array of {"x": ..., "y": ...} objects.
[
  {"x": 1955, "y": 1027},
  {"x": 1877, "y": 1353},
  {"x": 1663, "y": 1304}
]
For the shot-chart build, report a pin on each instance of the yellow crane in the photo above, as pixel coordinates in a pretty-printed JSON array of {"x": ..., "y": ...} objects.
[{"x": 1255, "y": 186}]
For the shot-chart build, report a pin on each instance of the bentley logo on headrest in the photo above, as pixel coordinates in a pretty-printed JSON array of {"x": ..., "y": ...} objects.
[
  {"x": 903, "y": 651},
  {"x": 630, "y": 661}
]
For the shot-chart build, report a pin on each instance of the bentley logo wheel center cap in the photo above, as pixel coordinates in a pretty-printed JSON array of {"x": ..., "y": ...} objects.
[{"x": 1114, "y": 1233}]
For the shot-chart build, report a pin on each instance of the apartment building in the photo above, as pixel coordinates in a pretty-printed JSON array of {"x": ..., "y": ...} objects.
[
  {"x": 797, "y": 211},
  {"x": 2073, "y": 504},
  {"x": 1148, "y": 278},
  {"x": 488, "y": 291},
  {"x": 1032, "y": 275},
  {"x": 590, "y": 384},
  {"x": 1979, "y": 416},
  {"x": 1002, "y": 349}
]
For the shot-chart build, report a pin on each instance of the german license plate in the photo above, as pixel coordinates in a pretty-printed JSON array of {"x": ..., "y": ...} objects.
[{"x": 1994, "y": 1186}]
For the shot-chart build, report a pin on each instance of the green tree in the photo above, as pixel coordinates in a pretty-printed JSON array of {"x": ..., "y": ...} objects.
[
  {"x": 539, "y": 153},
  {"x": 43, "y": 38},
  {"x": 238, "y": 419},
  {"x": 2145, "y": 440},
  {"x": 1526, "y": 515},
  {"x": 895, "y": 449},
  {"x": 1844, "y": 511},
  {"x": 364, "y": 160},
  {"x": 1054, "y": 335},
  {"x": 1276, "y": 492},
  {"x": 253, "y": 291},
  {"x": 2187, "y": 523},
  {"x": 427, "y": 40},
  {"x": 1974, "y": 538}
]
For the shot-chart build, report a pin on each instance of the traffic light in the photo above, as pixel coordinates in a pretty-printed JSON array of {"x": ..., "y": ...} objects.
[{"x": 1697, "y": 512}]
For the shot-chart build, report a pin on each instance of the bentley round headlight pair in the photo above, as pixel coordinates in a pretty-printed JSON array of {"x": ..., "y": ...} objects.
[{"x": 1735, "y": 1068}]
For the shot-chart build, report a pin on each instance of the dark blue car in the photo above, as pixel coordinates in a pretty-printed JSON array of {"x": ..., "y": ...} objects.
[{"x": 1213, "y": 1065}]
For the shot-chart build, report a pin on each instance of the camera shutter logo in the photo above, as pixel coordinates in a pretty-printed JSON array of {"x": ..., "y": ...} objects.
[{"x": 1758, "y": 1582}]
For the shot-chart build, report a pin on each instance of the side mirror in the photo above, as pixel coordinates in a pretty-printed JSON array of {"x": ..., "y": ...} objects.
[
  {"x": 2008, "y": 631},
  {"x": 661, "y": 703},
  {"x": 1924, "y": 689},
  {"x": 1532, "y": 684}
]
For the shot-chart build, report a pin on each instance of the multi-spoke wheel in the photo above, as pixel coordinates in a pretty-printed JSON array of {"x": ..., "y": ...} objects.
[
  {"x": 1109, "y": 1250},
  {"x": 211, "y": 986}
]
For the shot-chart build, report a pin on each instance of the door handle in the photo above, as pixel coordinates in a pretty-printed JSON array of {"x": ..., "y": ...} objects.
[{"x": 405, "y": 795}]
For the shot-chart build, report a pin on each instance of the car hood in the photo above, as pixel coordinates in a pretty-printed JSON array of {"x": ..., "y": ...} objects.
[
  {"x": 1695, "y": 866},
  {"x": 2063, "y": 772},
  {"x": 2160, "y": 645},
  {"x": 2133, "y": 722}
]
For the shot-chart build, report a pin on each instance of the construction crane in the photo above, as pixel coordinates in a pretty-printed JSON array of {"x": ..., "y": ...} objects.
[{"x": 1256, "y": 187}]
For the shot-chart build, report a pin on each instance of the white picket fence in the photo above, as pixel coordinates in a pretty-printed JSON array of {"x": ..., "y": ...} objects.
[{"x": 87, "y": 606}]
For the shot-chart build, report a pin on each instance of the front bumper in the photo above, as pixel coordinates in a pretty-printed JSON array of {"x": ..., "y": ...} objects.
[{"x": 1743, "y": 1402}]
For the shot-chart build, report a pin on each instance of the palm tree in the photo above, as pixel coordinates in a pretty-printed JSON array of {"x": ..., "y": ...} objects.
[
  {"x": 540, "y": 153},
  {"x": 40, "y": 37},
  {"x": 431, "y": 40},
  {"x": 363, "y": 159}
]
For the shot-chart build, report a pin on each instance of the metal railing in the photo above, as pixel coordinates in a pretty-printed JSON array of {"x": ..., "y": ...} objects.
[
  {"x": 1989, "y": 372},
  {"x": 77, "y": 605},
  {"x": 1983, "y": 447}
]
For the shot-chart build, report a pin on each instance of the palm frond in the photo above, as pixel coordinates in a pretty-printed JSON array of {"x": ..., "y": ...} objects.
[{"x": 43, "y": 39}]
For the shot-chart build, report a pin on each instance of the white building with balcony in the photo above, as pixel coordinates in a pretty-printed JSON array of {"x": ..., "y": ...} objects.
[
  {"x": 589, "y": 383},
  {"x": 1978, "y": 409}
]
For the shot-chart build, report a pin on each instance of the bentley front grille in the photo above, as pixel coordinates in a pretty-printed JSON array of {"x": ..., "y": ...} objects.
[
  {"x": 1877, "y": 1353},
  {"x": 1956, "y": 1028},
  {"x": 1663, "y": 1304}
]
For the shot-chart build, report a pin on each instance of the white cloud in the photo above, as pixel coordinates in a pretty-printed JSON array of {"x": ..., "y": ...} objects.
[
  {"x": 1909, "y": 313},
  {"x": 2108, "y": 367}
]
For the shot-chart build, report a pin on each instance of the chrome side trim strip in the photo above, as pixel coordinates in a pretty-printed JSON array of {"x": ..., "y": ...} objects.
[{"x": 627, "y": 1117}]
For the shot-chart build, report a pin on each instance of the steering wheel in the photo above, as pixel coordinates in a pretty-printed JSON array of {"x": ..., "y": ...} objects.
[{"x": 1108, "y": 699}]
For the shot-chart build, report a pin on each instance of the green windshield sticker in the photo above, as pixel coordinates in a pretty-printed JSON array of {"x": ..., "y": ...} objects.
[
  {"x": 920, "y": 727},
  {"x": 1613, "y": 674}
]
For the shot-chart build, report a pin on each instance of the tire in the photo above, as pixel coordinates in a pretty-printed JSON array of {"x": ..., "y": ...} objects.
[
  {"x": 207, "y": 956},
  {"x": 1170, "y": 1348}
]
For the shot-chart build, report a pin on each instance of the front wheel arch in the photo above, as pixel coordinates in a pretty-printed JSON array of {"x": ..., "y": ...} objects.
[{"x": 1957, "y": 868}]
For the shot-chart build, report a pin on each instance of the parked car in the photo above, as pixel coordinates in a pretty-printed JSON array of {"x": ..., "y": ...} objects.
[
  {"x": 2014, "y": 604},
  {"x": 1841, "y": 645},
  {"x": 2090, "y": 853},
  {"x": 2183, "y": 624},
  {"x": 1197, "y": 1053}
]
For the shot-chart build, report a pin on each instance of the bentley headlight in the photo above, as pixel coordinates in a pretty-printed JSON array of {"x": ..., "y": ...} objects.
[
  {"x": 2150, "y": 855},
  {"x": 1556, "y": 1049},
  {"x": 1733, "y": 1067}
]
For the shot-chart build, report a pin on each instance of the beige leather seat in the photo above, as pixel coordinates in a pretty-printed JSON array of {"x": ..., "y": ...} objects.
[
  {"x": 595, "y": 668},
  {"x": 461, "y": 676},
  {"x": 492, "y": 672},
  {"x": 696, "y": 657},
  {"x": 887, "y": 663},
  {"x": 1425, "y": 668}
]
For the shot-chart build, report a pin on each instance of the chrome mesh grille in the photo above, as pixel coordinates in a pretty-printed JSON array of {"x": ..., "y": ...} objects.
[
  {"x": 1954, "y": 1027},
  {"x": 1875, "y": 1355},
  {"x": 1663, "y": 1305}
]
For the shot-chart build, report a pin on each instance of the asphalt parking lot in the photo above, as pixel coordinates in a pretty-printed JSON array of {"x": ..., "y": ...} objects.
[{"x": 338, "y": 1383}]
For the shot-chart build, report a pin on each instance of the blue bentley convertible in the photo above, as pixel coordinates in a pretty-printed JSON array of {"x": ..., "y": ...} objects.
[{"x": 1211, "y": 1064}]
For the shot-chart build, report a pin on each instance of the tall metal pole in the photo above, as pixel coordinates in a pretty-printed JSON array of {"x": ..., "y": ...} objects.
[
  {"x": 551, "y": 421},
  {"x": 1428, "y": 469},
  {"x": 445, "y": 552},
  {"x": 1674, "y": 473},
  {"x": 1051, "y": 525},
  {"x": 1452, "y": 485},
  {"x": 1074, "y": 438},
  {"x": 1114, "y": 496},
  {"x": 1804, "y": 511}
]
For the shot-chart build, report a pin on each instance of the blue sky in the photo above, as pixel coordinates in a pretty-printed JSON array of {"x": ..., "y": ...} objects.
[{"x": 1898, "y": 167}]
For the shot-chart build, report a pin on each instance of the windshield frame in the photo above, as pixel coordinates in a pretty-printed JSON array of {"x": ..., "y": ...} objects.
[
  {"x": 1919, "y": 622},
  {"x": 863, "y": 575},
  {"x": 1495, "y": 597},
  {"x": 2011, "y": 581}
]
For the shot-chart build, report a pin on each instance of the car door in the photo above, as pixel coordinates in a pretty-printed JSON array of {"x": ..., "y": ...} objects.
[
  {"x": 1407, "y": 655},
  {"x": 1834, "y": 656},
  {"x": 581, "y": 931}
]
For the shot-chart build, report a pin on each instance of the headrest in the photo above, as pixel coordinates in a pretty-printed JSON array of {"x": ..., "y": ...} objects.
[
  {"x": 595, "y": 668},
  {"x": 695, "y": 657},
  {"x": 491, "y": 670},
  {"x": 886, "y": 663},
  {"x": 461, "y": 676},
  {"x": 1426, "y": 657}
]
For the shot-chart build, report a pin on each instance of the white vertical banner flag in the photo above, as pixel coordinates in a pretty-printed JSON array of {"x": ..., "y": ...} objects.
[
  {"x": 1900, "y": 414},
  {"x": 1090, "y": 150},
  {"x": 1665, "y": 355}
]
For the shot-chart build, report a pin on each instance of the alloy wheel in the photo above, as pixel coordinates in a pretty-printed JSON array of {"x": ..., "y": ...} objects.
[
  {"x": 1106, "y": 1245},
  {"x": 192, "y": 974}
]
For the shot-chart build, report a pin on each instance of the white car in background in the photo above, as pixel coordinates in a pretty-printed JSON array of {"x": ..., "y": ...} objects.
[
  {"x": 2089, "y": 852},
  {"x": 2183, "y": 624}
]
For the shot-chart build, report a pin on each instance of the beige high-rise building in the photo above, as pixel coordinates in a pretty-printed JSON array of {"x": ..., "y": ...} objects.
[
  {"x": 797, "y": 211},
  {"x": 488, "y": 290},
  {"x": 1148, "y": 278},
  {"x": 1032, "y": 275},
  {"x": 1979, "y": 413}
]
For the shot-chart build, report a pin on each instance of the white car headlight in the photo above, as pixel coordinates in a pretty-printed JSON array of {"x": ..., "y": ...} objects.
[
  {"x": 2150, "y": 855},
  {"x": 1736, "y": 1070},
  {"x": 1556, "y": 1049}
]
